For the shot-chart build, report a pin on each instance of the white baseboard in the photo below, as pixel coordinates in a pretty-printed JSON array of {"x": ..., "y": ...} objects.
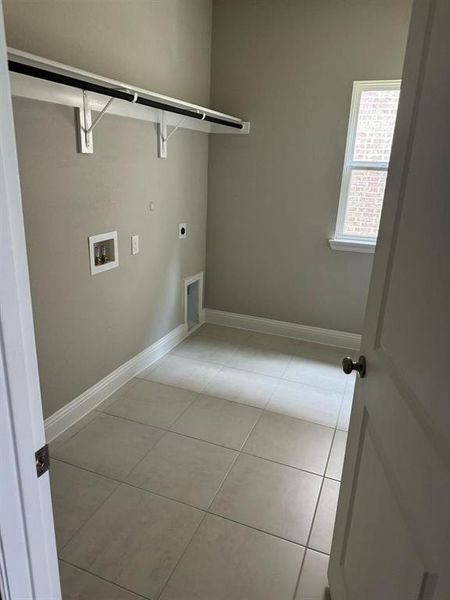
[
  {"x": 318, "y": 335},
  {"x": 79, "y": 407}
]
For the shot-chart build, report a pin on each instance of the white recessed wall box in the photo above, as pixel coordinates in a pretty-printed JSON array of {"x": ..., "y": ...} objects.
[
  {"x": 103, "y": 252},
  {"x": 193, "y": 301}
]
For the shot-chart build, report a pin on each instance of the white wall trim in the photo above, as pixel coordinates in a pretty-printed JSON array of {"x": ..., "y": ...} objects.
[
  {"x": 329, "y": 337},
  {"x": 69, "y": 414},
  {"x": 352, "y": 245}
]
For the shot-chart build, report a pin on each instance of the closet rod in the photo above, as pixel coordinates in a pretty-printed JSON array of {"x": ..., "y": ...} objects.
[{"x": 88, "y": 86}]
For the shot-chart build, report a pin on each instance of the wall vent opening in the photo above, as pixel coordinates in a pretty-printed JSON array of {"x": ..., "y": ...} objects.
[{"x": 193, "y": 301}]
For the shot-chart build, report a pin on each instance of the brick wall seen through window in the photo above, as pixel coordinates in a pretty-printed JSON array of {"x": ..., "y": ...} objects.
[{"x": 371, "y": 130}]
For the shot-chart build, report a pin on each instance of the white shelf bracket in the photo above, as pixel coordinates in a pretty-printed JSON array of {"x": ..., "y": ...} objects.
[
  {"x": 163, "y": 137},
  {"x": 85, "y": 124},
  {"x": 84, "y": 127},
  {"x": 38, "y": 78}
]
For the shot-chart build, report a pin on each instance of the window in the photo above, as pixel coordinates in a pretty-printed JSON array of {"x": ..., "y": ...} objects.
[{"x": 372, "y": 120}]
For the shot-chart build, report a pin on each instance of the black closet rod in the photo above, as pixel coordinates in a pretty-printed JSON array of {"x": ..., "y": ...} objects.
[{"x": 18, "y": 67}]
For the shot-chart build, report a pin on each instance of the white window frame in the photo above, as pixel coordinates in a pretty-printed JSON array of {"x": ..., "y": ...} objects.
[{"x": 342, "y": 241}]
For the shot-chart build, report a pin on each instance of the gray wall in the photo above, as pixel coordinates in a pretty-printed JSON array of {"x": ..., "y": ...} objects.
[
  {"x": 161, "y": 45},
  {"x": 88, "y": 326},
  {"x": 288, "y": 66}
]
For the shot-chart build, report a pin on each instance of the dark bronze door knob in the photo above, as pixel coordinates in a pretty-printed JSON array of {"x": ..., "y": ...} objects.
[{"x": 348, "y": 366}]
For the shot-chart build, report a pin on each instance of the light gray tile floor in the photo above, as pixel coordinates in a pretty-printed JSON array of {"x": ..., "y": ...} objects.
[
  {"x": 313, "y": 582},
  {"x": 213, "y": 475}
]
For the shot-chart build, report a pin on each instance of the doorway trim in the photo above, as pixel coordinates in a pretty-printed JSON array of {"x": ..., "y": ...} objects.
[{"x": 28, "y": 548}]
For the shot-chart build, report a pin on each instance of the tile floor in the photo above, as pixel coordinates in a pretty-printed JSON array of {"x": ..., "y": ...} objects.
[{"x": 214, "y": 475}]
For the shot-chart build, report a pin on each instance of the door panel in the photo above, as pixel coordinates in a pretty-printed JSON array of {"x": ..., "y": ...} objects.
[
  {"x": 28, "y": 561},
  {"x": 417, "y": 474},
  {"x": 379, "y": 539},
  {"x": 392, "y": 533},
  {"x": 418, "y": 286}
]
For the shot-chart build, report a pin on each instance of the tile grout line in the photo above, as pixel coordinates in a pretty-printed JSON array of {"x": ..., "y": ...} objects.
[
  {"x": 219, "y": 487},
  {"x": 124, "y": 482},
  {"x": 166, "y": 432},
  {"x": 132, "y": 485},
  {"x": 184, "y": 503},
  {"x": 242, "y": 450},
  {"x": 207, "y": 510},
  {"x": 121, "y": 587},
  {"x": 180, "y": 558},
  {"x": 347, "y": 385},
  {"x": 173, "y": 431},
  {"x": 323, "y": 481},
  {"x": 276, "y": 462},
  {"x": 289, "y": 358},
  {"x": 239, "y": 452},
  {"x": 313, "y": 519},
  {"x": 261, "y": 408},
  {"x": 59, "y": 551},
  {"x": 198, "y": 394},
  {"x": 185, "y": 410},
  {"x": 52, "y": 450},
  {"x": 279, "y": 380},
  {"x": 297, "y": 583},
  {"x": 91, "y": 412},
  {"x": 200, "y": 391},
  {"x": 244, "y": 370},
  {"x": 341, "y": 405},
  {"x": 209, "y": 513},
  {"x": 274, "y": 535},
  {"x": 252, "y": 333}
]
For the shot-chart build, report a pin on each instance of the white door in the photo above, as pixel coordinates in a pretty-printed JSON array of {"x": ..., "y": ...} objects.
[
  {"x": 392, "y": 533},
  {"x": 28, "y": 560}
]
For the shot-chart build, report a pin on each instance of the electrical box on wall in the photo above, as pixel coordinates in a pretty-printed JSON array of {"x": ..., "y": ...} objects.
[
  {"x": 103, "y": 252},
  {"x": 182, "y": 231}
]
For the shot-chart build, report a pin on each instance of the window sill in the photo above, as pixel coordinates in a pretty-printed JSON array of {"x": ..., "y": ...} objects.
[{"x": 353, "y": 246}]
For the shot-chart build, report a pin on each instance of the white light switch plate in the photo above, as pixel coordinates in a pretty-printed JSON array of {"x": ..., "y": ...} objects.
[{"x": 134, "y": 244}]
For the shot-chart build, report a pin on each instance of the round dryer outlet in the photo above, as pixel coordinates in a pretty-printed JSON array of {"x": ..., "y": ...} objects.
[{"x": 182, "y": 231}]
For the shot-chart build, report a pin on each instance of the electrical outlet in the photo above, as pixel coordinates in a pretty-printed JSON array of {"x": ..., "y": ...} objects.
[
  {"x": 182, "y": 231},
  {"x": 134, "y": 244}
]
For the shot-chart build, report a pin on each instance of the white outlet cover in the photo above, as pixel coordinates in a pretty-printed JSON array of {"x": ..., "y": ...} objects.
[
  {"x": 182, "y": 231},
  {"x": 134, "y": 244}
]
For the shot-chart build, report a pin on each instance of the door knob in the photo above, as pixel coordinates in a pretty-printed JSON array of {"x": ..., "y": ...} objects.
[{"x": 348, "y": 365}]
